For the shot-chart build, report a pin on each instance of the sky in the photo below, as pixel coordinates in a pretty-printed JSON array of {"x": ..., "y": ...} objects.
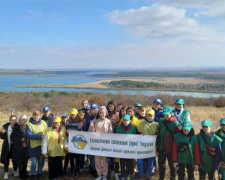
[{"x": 54, "y": 34}]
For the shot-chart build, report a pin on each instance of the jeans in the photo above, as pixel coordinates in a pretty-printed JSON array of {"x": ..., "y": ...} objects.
[
  {"x": 140, "y": 164},
  {"x": 34, "y": 161}
]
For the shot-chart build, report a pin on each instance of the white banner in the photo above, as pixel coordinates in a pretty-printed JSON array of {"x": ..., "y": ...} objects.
[{"x": 112, "y": 145}]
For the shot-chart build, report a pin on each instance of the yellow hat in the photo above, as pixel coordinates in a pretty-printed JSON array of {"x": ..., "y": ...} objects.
[
  {"x": 74, "y": 111},
  {"x": 151, "y": 111},
  {"x": 57, "y": 120}
]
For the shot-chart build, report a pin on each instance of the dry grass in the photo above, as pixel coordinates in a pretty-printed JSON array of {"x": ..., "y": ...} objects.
[{"x": 197, "y": 115}]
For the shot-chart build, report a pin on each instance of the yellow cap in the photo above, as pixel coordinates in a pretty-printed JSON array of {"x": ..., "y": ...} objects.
[
  {"x": 74, "y": 111},
  {"x": 151, "y": 111},
  {"x": 57, "y": 120}
]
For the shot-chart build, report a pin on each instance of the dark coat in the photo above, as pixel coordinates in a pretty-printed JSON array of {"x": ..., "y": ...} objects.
[
  {"x": 48, "y": 120},
  {"x": 16, "y": 139}
]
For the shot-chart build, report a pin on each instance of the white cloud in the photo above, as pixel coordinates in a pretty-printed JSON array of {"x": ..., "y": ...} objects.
[
  {"x": 216, "y": 12},
  {"x": 161, "y": 21}
]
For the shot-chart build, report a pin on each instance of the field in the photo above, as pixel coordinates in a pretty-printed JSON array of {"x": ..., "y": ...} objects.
[{"x": 197, "y": 115}]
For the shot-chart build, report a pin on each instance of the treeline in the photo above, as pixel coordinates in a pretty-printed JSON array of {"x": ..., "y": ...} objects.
[
  {"x": 60, "y": 102},
  {"x": 127, "y": 84}
]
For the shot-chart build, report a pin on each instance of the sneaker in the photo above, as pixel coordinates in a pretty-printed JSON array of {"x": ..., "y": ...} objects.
[
  {"x": 104, "y": 178},
  {"x": 81, "y": 170},
  {"x": 15, "y": 173},
  {"x": 75, "y": 176},
  {"x": 153, "y": 170},
  {"x": 117, "y": 176},
  {"x": 66, "y": 171},
  {"x": 6, "y": 176},
  {"x": 98, "y": 178},
  {"x": 112, "y": 175}
]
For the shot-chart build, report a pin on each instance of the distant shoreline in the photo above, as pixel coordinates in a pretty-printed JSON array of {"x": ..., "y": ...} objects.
[{"x": 102, "y": 85}]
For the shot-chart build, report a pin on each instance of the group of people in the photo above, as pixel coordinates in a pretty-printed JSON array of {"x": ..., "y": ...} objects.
[{"x": 46, "y": 136}]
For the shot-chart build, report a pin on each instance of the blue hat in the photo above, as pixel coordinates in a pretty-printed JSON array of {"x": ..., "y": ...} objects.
[
  {"x": 206, "y": 123},
  {"x": 46, "y": 109},
  {"x": 126, "y": 117},
  {"x": 157, "y": 100},
  {"x": 65, "y": 115},
  {"x": 222, "y": 121},
  {"x": 95, "y": 106},
  {"x": 88, "y": 107}
]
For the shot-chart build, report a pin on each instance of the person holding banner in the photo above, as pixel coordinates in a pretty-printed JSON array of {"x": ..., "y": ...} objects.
[
  {"x": 168, "y": 126},
  {"x": 53, "y": 147},
  {"x": 74, "y": 124},
  {"x": 186, "y": 151},
  {"x": 101, "y": 125},
  {"x": 147, "y": 127},
  {"x": 126, "y": 128}
]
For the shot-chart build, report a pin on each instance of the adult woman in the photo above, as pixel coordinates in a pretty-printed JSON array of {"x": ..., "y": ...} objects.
[
  {"x": 180, "y": 112},
  {"x": 22, "y": 120},
  {"x": 35, "y": 130},
  {"x": 11, "y": 145}
]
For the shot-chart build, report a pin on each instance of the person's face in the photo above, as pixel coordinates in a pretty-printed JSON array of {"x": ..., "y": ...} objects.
[
  {"x": 85, "y": 104},
  {"x": 167, "y": 117},
  {"x": 36, "y": 118},
  {"x": 93, "y": 111},
  {"x": 102, "y": 113},
  {"x": 126, "y": 122},
  {"x": 136, "y": 109},
  {"x": 185, "y": 131},
  {"x": 22, "y": 121},
  {"x": 57, "y": 124},
  {"x": 150, "y": 117},
  {"x": 73, "y": 116},
  {"x": 88, "y": 112},
  {"x": 123, "y": 112},
  {"x": 156, "y": 105},
  {"x": 111, "y": 107},
  {"x": 13, "y": 120},
  {"x": 81, "y": 115},
  {"x": 46, "y": 113},
  {"x": 142, "y": 113},
  {"x": 222, "y": 126},
  {"x": 119, "y": 107},
  {"x": 178, "y": 106},
  {"x": 130, "y": 112},
  {"x": 206, "y": 129},
  {"x": 64, "y": 120}
]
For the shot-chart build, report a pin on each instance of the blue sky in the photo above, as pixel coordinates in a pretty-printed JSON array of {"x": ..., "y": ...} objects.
[{"x": 111, "y": 33}]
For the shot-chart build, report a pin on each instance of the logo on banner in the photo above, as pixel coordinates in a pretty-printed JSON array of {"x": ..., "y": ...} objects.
[{"x": 79, "y": 141}]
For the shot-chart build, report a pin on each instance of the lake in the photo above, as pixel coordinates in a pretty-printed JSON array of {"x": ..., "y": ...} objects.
[{"x": 7, "y": 83}]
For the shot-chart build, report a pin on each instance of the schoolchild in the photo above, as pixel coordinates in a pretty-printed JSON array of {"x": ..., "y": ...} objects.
[
  {"x": 47, "y": 116},
  {"x": 74, "y": 124},
  {"x": 118, "y": 107},
  {"x": 64, "y": 119},
  {"x": 114, "y": 118},
  {"x": 84, "y": 105},
  {"x": 133, "y": 119},
  {"x": 221, "y": 134},
  {"x": 53, "y": 147},
  {"x": 168, "y": 126},
  {"x": 136, "y": 110},
  {"x": 147, "y": 127},
  {"x": 157, "y": 107},
  {"x": 122, "y": 112},
  {"x": 22, "y": 121},
  {"x": 186, "y": 151},
  {"x": 142, "y": 112},
  {"x": 126, "y": 164},
  {"x": 180, "y": 112},
  {"x": 102, "y": 125},
  {"x": 35, "y": 130},
  {"x": 10, "y": 147},
  {"x": 91, "y": 117},
  {"x": 210, "y": 150}
]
